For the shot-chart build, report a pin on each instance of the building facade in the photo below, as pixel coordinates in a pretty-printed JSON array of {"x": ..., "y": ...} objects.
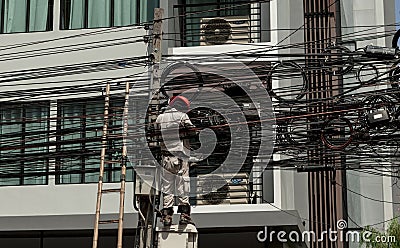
[{"x": 57, "y": 56}]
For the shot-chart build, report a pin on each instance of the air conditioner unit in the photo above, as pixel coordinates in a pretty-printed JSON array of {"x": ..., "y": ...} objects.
[
  {"x": 235, "y": 189},
  {"x": 224, "y": 30}
]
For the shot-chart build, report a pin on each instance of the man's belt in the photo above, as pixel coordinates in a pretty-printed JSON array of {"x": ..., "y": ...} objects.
[{"x": 167, "y": 154}]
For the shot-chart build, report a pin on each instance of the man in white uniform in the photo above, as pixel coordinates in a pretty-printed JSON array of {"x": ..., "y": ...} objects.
[{"x": 175, "y": 155}]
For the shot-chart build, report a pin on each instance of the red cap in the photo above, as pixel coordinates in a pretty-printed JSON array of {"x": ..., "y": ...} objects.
[{"x": 180, "y": 98}]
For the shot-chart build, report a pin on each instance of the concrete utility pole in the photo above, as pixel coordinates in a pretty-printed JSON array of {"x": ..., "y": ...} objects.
[
  {"x": 322, "y": 29},
  {"x": 156, "y": 54},
  {"x": 151, "y": 236},
  {"x": 146, "y": 207}
]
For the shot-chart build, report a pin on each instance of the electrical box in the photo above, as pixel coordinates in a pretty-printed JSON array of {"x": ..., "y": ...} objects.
[
  {"x": 147, "y": 180},
  {"x": 177, "y": 236},
  {"x": 377, "y": 118},
  {"x": 380, "y": 52}
]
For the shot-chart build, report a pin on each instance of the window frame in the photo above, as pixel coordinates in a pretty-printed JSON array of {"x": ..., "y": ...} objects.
[
  {"x": 49, "y": 22},
  {"x": 65, "y": 12},
  {"x": 256, "y": 19},
  {"x": 22, "y": 175},
  {"x": 110, "y": 172}
]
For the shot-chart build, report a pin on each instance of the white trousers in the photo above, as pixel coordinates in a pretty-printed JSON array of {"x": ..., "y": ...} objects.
[{"x": 175, "y": 180}]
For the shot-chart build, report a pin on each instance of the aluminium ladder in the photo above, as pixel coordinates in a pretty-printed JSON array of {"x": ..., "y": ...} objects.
[{"x": 121, "y": 190}]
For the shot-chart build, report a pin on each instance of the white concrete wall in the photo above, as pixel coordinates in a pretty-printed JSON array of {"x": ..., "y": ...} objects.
[
  {"x": 29, "y": 51},
  {"x": 362, "y": 17},
  {"x": 366, "y": 18},
  {"x": 48, "y": 200}
]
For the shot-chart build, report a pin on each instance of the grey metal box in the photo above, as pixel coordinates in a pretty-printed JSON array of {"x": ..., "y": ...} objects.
[
  {"x": 177, "y": 236},
  {"x": 147, "y": 179}
]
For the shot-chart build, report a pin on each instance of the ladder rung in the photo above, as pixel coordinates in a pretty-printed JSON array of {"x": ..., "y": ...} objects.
[
  {"x": 108, "y": 221},
  {"x": 114, "y": 135},
  {"x": 112, "y": 162},
  {"x": 111, "y": 190}
]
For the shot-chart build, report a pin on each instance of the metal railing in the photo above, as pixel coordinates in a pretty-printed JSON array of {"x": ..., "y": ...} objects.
[{"x": 218, "y": 22}]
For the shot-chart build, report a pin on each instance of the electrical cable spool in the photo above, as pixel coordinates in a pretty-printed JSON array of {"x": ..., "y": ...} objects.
[
  {"x": 217, "y": 31},
  {"x": 394, "y": 75},
  {"x": 337, "y": 133},
  {"x": 300, "y": 128},
  {"x": 364, "y": 74},
  {"x": 338, "y": 60},
  {"x": 287, "y": 67},
  {"x": 172, "y": 67}
]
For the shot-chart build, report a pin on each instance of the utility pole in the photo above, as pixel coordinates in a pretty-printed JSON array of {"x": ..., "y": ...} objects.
[
  {"x": 146, "y": 205},
  {"x": 149, "y": 235},
  {"x": 156, "y": 54},
  {"x": 321, "y": 30}
]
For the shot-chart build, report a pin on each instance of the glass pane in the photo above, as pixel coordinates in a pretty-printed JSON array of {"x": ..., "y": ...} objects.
[
  {"x": 36, "y": 137},
  {"x": 38, "y": 15},
  {"x": 9, "y": 181},
  {"x": 81, "y": 131},
  {"x": 38, "y": 168},
  {"x": 71, "y": 139},
  {"x": 77, "y": 14},
  {"x": 147, "y": 10},
  {"x": 92, "y": 163},
  {"x": 94, "y": 126},
  {"x": 99, "y": 13},
  {"x": 16, "y": 163},
  {"x": 193, "y": 21},
  {"x": 125, "y": 12},
  {"x": 115, "y": 151},
  {"x": 10, "y": 141},
  {"x": 15, "y": 16},
  {"x": 229, "y": 8}
]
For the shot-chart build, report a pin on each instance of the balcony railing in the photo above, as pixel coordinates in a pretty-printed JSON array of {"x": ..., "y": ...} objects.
[{"x": 204, "y": 23}]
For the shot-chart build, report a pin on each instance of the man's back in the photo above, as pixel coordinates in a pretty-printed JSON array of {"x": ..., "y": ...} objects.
[{"x": 170, "y": 123}]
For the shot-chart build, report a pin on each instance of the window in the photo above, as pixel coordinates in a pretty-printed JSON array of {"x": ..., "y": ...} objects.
[
  {"x": 24, "y": 130},
  {"x": 248, "y": 21},
  {"x": 26, "y": 15},
  {"x": 79, "y": 132},
  {"x": 77, "y": 14}
]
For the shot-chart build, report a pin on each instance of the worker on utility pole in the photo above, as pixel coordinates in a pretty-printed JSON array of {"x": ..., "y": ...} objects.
[{"x": 176, "y": 128}]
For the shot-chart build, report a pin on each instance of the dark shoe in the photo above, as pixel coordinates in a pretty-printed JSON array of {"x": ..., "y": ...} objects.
[
  {"x": 166, "y": 218},
  {"x": 185, "y": 215},
  {"x": 185, "y": 219}
]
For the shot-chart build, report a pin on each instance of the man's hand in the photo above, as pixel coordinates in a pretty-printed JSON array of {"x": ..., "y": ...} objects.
[{"x": 195, "y": 159}]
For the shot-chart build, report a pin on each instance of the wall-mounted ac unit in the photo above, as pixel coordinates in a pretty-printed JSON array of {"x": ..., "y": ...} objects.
[
  {"x": 235, "y": 189},
  {"x": 225, "y": 30}
]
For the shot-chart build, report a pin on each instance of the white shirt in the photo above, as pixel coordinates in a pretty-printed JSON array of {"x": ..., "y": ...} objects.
[{"x": 170, "y": 122}]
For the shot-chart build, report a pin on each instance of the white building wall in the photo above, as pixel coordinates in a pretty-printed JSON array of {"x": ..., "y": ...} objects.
[
  {"x": 363, "y": 19},
  {"x": 30, "y": 51}
]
